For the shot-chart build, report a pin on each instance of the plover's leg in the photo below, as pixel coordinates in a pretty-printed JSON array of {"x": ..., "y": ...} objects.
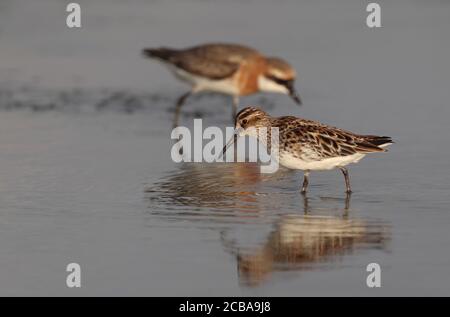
[
  {"x": 347, "y": 179},
  {"x": 305, "y": 182},
  {"x": 180, "y": 103},
  {"x": 235, "y": 106}
]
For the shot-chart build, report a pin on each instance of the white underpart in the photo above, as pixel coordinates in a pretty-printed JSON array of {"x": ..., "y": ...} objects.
[
  {"x": 225, "y": 86},
  {"x": 289, "y": 161},
  {"x": 265, "y": 84}
]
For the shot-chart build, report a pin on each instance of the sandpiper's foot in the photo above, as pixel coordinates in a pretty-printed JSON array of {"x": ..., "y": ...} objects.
[{"x": 347, "y": 180}]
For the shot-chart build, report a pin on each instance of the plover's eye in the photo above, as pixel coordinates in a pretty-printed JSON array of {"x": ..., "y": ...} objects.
[{"x": 244, "y": 122}]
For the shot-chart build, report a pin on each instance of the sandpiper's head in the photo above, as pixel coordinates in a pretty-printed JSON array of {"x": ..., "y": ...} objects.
[
  {"x": 248, "y": 121},
  {"x": 279, "y": 77},
  {"x": 251, "y": 118}
]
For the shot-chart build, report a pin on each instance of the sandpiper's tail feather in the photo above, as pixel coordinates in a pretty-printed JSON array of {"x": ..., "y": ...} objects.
[
  {"x": 162, "y": 53},
  {"x": 380, "y": 141}
]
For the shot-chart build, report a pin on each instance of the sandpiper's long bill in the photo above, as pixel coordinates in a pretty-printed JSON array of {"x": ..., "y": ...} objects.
[
  {"x": 310, "y": 145},
  {"x": 230, "y": 69}
]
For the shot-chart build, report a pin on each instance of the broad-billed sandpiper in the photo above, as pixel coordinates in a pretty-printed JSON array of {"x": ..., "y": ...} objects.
[
  {"x": 230, "y": 69},
  {"x": 310, "y": 145}
]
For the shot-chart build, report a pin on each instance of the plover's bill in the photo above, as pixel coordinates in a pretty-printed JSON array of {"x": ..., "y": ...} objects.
[
  {"x": 230, "y": 69},
  {"x": 310, "y": 145}
]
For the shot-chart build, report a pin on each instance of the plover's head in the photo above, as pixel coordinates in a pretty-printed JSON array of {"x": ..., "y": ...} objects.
[{"x": 279, "y": 77}]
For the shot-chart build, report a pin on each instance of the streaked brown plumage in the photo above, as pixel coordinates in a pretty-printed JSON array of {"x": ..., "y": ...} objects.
[{"x": 311, "y": 145}]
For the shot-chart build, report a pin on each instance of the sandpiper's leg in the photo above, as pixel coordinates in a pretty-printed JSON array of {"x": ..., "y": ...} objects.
[
  {"x": 235, "y": 106},
  {"x": 306, "y": 209},
  {"x": 180, "y": 103},
  {"x": 305, "y": 182},
  {"x": 347, "y": 179},
  {"x": 347, "y": 203}
]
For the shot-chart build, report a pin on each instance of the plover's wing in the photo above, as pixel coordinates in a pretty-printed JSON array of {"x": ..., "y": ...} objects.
[
  {"x": 212, "y": 61},
  {"x": 321, "y": 142},
  {"x": 209, "y": 68}
]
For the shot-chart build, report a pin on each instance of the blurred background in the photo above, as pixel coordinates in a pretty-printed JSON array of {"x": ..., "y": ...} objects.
[{"x": 86, "y": 174}]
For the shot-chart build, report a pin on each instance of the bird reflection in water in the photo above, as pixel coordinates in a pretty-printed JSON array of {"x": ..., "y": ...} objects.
[
  {"x": 210, "y": 187},
  {"x": 306, "y": 242},
  {"x": 303, "y": 234}
]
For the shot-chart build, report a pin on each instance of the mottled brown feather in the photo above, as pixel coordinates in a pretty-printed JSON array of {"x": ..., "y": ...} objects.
[{"x": 312, "y": 139}]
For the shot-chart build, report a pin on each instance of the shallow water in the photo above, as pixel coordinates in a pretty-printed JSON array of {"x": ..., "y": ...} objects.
[{"x": 86, "y": 174}]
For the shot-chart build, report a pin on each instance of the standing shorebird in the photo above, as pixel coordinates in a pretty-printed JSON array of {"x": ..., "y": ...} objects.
[
  {"x": 226, "y": 68},
  {"x": 310, "y": 145}
]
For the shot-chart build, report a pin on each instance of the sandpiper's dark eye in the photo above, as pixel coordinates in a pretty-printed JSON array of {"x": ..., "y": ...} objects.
[{"x": 244, "y": 122}]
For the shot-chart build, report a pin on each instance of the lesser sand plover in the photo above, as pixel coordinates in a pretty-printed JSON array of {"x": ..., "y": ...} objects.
[
  {"x": 310, "y": 145},
  {"x": 230, "y": 69}
]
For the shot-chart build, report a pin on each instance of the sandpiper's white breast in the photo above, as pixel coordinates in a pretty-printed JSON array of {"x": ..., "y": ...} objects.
[{"x": 292, "y": 162}]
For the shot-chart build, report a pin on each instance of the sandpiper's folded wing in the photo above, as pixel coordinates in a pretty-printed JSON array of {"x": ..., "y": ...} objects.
[{"x": 322, "y": 142}]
